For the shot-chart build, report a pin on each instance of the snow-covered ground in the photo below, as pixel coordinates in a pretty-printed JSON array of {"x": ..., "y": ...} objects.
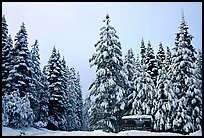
[{"x": 44, "y": 132}]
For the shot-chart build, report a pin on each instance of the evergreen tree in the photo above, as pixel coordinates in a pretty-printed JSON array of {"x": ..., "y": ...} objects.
[
  {"x": 44, "y": 99},
  {"x": 7, "y": 49},
  {"x": 56, "y": 106},
  {"x": 75, "y": 101},
  {"x": 79, "y": 101},
  {"x": 164, "y": 104},
  {"x": 4, "y": 32},
  {"x": 72, "y": 105},
  {"x": 151, "y": 62},
  {"x": 4, "y": 46},
  {"x": 17, "y": 111},
  {"x": 71, "y": 91},
  {"x": 149, "y": 53},
  {"x": 129, "y": 64},
  {"x": 130, "y": 69},
  {"x": 144, "y": 93},
  {"x": 111, "y": 82},
  {"x": 20, "y": 77},
  {"x": 161, "y": 56},
  {"x": 132, "y": 95},
  {"x": 183, "y": 73},
  {"x": 65, "y": 75},
  {"x": 7, "y": 54},
  {"x": 64, "y": 89},
  {"x": 37, "y": 87},
  {"x": 143, "y": 52}
]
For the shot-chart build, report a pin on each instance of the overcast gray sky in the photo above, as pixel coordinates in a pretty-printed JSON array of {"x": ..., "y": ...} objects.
[{"x": 74, "y": 27}]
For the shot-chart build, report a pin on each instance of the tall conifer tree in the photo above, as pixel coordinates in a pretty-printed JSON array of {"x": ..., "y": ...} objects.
[
  {"x": 20, "y": 77},
  {"x": 151, "y": 62},
  {"x": 188, "y": 116},
  {"x": 143, "y": 52},
  {"x": 160, "y": 56},
  {"x": 57, "y": 118},
  {"x": 7, "y": 54},
  {"x": 110, "y": 84}
]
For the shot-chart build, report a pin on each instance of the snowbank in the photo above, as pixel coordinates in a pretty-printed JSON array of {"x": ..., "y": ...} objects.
[
  {"x": 6, "y": 131},
  {"x": 44, "y": 132}
]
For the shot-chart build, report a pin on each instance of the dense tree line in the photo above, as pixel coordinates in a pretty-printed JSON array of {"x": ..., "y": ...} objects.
[
  {"x": 50, "y": 98},
  {"x": 166, "y": 85}
]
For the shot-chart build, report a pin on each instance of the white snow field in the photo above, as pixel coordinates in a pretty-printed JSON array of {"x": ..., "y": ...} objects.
[{"x": 6, "y": 131}]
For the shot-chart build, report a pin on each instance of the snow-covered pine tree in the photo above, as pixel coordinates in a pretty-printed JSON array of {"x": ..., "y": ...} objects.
[
  {"x": 65, "y": 90},
  {"x": 143, "y": 52},
  {"x": 129, "y": 64},
  {"x": 168, "y": 59},
  {"x": 44, "y": 99},
  {"x": 4, "y": 32},
  {"x": 20, "y": 77},
  {"x": 7, "y": 56},
  {"x": 130, "y": 69},
  {"x": 56, "y": 105},
  {"x": 160, "y": 56},
  {"x": 151, "y": 62},
  {"x": 110, "y": 84},
  {"x": 73, "y": 120},
  {"x": 186, "y": 85},
  {"x": 37, "y": 87},
  {"x": 132, "y": 95},
  {"x": 4, "y": 46},
  {"x": 79, "y": 101},
  {"x": 164, "y": 103},
  {"x": 65, "y": 75},
  {"x": 26, "y": 114},
  {"x": 75, "y": 100},
  {"x": 149, "y": 53},
  {"x": 17, "y": 110},
  {"x": 7, "y": 49},
  {"x": 144, "y": 93}
]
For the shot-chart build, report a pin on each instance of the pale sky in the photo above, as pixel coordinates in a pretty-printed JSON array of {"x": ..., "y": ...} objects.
[{"x": 74, "y": 27}]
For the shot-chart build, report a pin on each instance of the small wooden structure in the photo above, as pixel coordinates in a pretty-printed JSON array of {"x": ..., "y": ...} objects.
[{"x": 137, "y": 122}]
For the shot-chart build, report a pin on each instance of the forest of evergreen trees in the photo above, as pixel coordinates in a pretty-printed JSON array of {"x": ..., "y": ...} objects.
[
  {"x": 50, "y": 98},
  {"x": 166, "y": 84}
]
